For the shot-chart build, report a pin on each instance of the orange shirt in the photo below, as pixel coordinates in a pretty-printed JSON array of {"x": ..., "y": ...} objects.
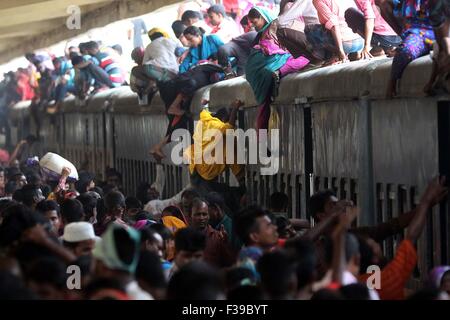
[{"x": 397, "y": 272}]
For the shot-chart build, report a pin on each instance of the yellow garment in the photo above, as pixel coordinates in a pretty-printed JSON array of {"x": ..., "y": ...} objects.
[
  {"x": 173, "y": 223},
  {"x": 155, "y": 30},
  {"x": 205, "y": 170}
]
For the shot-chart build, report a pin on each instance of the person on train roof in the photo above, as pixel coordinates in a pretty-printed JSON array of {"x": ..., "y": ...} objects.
[
  {"x": 417, "y": 35},
  {"x": 335, "y": 31},
  {"x": 379, "y": 37},
  {"x": 268, "y": 63},
  {"x": 294, "y": 25},
  {"x": 198, "y": 69}
]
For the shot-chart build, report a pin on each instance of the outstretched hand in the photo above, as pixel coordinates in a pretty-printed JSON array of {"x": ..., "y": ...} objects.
[{"x": 435, "y": 192}]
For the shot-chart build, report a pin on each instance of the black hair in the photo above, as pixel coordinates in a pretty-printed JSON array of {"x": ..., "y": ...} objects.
[
  {"x": 235, "y": 276},
  {"x": 223, "y": 114},
  {"x": 16, "y": 219},
  {"x": 282, "y": 223},
  {"x": 92, "y": 45},
  {"x": 76, "y": 59},
  {"x": 215, "y": 199},
  {"x": 48, "y": 205},
  {"x": 156, "y": 35},
  {"x": 89, "y": 203},
  {"x": 34, "y": 178},
  {"x": 84, "y": 179},
  {"x": 190, "y": 239},
  {"x": 11, "y": 187},
  {"x": 73, "y": 54},
  {"x": 162, "y": 230},
  {"x": 150, "y": 271},
  {"x": 189, "y": 14},
  {"x": 29, "y": 193},
  {"x": 190, "y": 193},
  {"x": 193, "y": 31},
  {"x": 143, "y": 215},
  {"x": 279, "y": 201},
  {"x": 178, "y": 27},
  {"x": 218, "y": 9},
  {"x": 46, "y": 190},
  {"x": 246, "y": 222},
  {"x": 133, "y": 203},
  {"x": 254, "y": 14},
  {"x": 48, "y": 270},
  {"x": 112, "y": 172},
  {"x": 113, "y": 200},
  {"x": 277, "y": 271},
  {"x": 318, "y": 200},
  {"x": 98, "y": 190},
  {"x": 355, "y": 291},
  {"x": 244, "y": 21},
  {"x": 141, "y": 192},
  {"x": 147, "y": 234},
  {"x": 72, "y": 211},
  {"x": 304, "y": 253},
  {"x": 195, "y": 281}
]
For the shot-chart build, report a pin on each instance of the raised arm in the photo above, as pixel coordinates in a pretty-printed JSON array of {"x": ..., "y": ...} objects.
[{"x": 435, "y": 192}]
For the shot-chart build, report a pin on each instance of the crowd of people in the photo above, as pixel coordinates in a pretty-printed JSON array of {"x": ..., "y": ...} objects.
[
  {"x": 72, "y": 237},
  {"x": 208, "y": 241},
  {"x": 214, "y": 42}
]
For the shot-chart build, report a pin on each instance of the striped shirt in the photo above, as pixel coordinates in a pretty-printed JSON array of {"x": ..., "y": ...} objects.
[{"x": 112, "y": 68}]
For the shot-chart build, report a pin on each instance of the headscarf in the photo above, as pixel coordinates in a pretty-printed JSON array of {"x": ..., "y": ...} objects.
[
  {"x": 435, "y": 276},
  {"x": 106, "y": 250},
  {"x": 267, "y": 15},
  {"x": 173, "y": 223},
  {"x": 158, "y": 30}
]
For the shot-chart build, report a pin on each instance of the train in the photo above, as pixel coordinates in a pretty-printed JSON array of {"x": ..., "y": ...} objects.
[{"x": 337, "y": 131}]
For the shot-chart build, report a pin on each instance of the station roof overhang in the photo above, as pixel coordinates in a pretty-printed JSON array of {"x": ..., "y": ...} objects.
[{"x": 27, "y": 25}]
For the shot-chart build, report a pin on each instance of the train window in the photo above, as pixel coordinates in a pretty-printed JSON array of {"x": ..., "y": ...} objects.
[
  {"x": 343, "y": 188},
  {"x": 354, "y": 191},
  {"x": 298, "y": 197},
  {"x": 388, "y": 216},
  {"x": 317, "y": 185},
  {"x": 380, "y": 202},
  {"x": 290, "y": 195}
]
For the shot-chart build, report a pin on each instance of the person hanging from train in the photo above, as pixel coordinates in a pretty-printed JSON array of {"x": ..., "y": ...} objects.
[
  {"x": 268, "y": 63},
  {"x": 335, "y": 32},
  {"x": 379, "y": 37},
  {"x": 205, "y": 166},
  {"x": 198, "y": 69},
  {"x": 417, "y": 35}
]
